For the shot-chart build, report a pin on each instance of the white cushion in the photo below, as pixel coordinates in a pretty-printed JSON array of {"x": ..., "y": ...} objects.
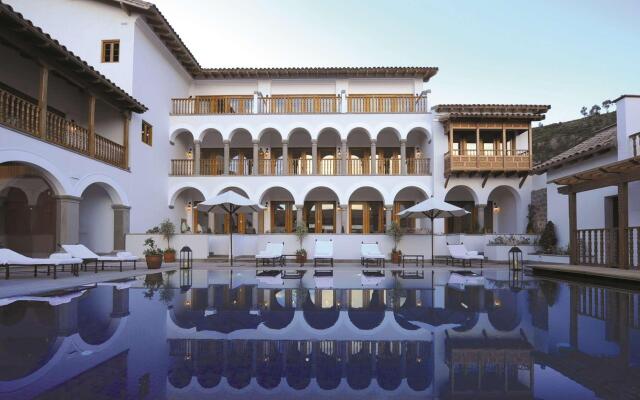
[
  {"x": 11, "y": 257},
  {"x": 324, "y": 249}
]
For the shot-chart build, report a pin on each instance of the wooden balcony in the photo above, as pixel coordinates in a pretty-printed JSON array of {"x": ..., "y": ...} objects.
[
  {"x": 182, "y": 167},
  {"x": 486, "y": 161},
  {"x": 24, "y": 116},
  {"x": 299, "y": 104}
]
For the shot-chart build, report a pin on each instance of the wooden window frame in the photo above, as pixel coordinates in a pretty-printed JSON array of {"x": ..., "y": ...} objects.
[
  {"x": 366, "y": 216},
  {"x": 110, "y": 58},
  {"x": 318, "y": 215},
  {"x": 147, "y": 137},
  {"x": 288, "y": 216}
]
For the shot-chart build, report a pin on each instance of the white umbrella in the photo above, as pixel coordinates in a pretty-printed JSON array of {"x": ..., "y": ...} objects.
[
  {"x": 230, "y": 203},
  {"x": 433, "y": 208}
]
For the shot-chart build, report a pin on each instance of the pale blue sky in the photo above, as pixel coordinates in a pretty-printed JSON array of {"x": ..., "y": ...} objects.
[{"x": 566, "y": 53}]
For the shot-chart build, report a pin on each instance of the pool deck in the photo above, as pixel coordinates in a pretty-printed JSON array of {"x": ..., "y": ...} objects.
[{"x": 631, "y": 276}]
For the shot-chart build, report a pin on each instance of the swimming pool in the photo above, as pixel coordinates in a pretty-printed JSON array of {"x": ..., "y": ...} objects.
[{"x": 225, "y": 334}]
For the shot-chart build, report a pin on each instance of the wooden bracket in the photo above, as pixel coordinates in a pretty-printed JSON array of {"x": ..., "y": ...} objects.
[
  {"x": 446, "y": 182},
  {"x": 484, "y": 181},
  {"x": 524, "y": 178}
]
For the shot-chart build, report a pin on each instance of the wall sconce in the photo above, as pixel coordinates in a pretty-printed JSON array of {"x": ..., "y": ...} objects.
[
  {"x": 189, "y": 206},
  {"x": 190, "y": 153},
  {"x": 496, "y": 208}
]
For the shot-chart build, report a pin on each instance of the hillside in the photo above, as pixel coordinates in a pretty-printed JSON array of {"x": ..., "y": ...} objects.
[{"x": 553, "y": 139}]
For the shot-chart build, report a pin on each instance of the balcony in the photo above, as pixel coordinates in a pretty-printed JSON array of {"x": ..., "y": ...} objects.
[
  {"x": 486, "y": 161},
  {"x": 24, "y": 115},
  {"x": 299, "y": 104}
]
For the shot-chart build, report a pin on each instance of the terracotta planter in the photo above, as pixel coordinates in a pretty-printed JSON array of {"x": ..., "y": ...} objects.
[
  {"x": 153, "y": 262},
  {"x": 169, "y": 256},
  {"x": 396, "y": 257},
  {"x": 301, "y": 258}
]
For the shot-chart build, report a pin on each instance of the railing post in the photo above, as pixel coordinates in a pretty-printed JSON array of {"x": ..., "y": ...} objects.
[
  {"x": 226, "y": 158},
  {"x": 623, "y": 224},
  {"x": 42, "y": 101},
  {"x": 125, "y": 139},
  {"x": 314, "y": 157},
  {"x": 403, "y": 156},
  {"x": 197, "y": 144},
  {"x": 256, "y": 104},
  {"x": 374, "y": 164},
  {"x": 285, "y": 157},
  {"x": 343, "y": 157},
  {"x": 256, "y": 152},
  {"x": 344, "y": 106},
  {"x": 573, "y": 228},
  {"x": 92, "y": 126},
  {"x": 504, "y": 146}
]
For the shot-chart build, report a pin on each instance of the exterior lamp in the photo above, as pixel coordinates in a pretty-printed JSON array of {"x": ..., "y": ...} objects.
[
  {"x": 515, "y": 259},
  {"x": 496, "y": 208},
  {"x": 186, "y": 258},
  {"x": 185, "y": 281},
  {"x": 190, "y": 153}
]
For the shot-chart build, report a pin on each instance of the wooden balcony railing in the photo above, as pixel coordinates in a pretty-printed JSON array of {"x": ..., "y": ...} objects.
[
  {"x": 389, "y": 166},
  {"x": 494, "y": 160},
  {"x": 300, "y": 105},
  {"x": 182, "y": 167},
  {"x": 329, "y": 166},
  {"x": 240, "y": 166},
  {"x": 300, "y": 166},
  {"x": 270, "y": 167},
  {"x": 418, "y": 166},
  {"x": 360, "y": 166},
  {"x": 387, "y": 104},
  {"x": 23, "y": 115},
  {"x": 211, "y": 167},
  {"x": 597, "y": 246}
]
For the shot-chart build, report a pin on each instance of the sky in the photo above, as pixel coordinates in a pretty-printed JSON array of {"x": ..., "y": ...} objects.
[{"x": 565, "y": 53}]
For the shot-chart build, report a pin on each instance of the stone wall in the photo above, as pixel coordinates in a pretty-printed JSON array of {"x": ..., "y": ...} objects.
[{"x": 539, "y": 209}]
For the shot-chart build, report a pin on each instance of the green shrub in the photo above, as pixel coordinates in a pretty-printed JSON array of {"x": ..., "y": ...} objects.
[{"x": 548, "y": 239}]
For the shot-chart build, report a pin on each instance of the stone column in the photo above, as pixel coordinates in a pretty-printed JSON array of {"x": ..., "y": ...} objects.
[
  {"x": 480, "y": 213},
  {"x": 403, "y": 156},
  {"x": 67, "y": 220},
  {"x": 226, "y": 157},
  {"x": 285, "y": 157},
  {"x": 299, "y": 215},
  {"x": 374, "y": 169},
  {"x": 314, "y": 157},
  {"x": 344, "y": 208},
  {"x": 120, "y": 225},
  {"x": 344, "y": 153},
  {"x": 388, "y": 215},
  {"x": 256, "y": 156},
  {"x": 196, "y": 157},
  {"x": 120, "y": 304}
]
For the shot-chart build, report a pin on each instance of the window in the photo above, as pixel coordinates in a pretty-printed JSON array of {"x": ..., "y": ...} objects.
[
  {"x": 110, "y": 51},
  {"x": 147, "y": 133},
  {"x": 367, "y": 217}
]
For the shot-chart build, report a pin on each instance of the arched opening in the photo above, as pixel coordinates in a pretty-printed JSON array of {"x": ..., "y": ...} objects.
[
  {"x": 463, "y": 197},
  {"x": 182, "y": 153},
  {"x": 389, "y": 368},
  {"x": 501, "y": 212},
  {"x": 504, "y": 315},
  {"x": 319, "y": 211},
  {"x": 359, "y": 364},
  {"x": 366, "y": 211},
  {"x": 281, "y": 213},
  {"x": 405, "y": 198},
  {"x": 270, "y": 364},
  {"x": 96, "y": 219},
  {"x": 329, "y": 152},
  {"x": 329, "y": 365},
  {"x": 240, "y": 152},
  {"x": 388, "y": 160},
  {"x": 359, "y": 147},
  {"x": 300, "y": 157},
  {"x": 239, "y": 365},
  {"x": 270, "y": 153},
  {"x": 366, "y": 308},
  {"x": 95, "y": 322},
  {"x": 211, "y": 153},
  {"x": 418, "y": 152},
  {"x": 242, "y": 223},
  {"x": 298, "y": 364},
  {"x": 27, "y": 210},
  {"x": 320, "y": 309},
  {"x": 186, "y": 215}
]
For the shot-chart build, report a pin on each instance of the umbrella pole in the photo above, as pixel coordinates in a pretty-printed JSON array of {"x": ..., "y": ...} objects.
[
  {"x": 432, "y": 255},
  {"x": 231, "y": 238}
]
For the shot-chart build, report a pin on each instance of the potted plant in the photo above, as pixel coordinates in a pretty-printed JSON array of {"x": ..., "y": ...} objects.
[
  {"x": 152, "y": 254},
  {"x": 396, "y": 233},
  {"x": 301, "y": 253},
  {"x": 168, "y": 230}
]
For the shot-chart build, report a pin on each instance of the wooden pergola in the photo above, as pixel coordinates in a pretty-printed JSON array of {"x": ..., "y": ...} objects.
[{"x": 618, "y": 174}]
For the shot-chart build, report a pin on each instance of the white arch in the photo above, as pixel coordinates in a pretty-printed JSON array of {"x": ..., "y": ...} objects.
[
  {"x": 264, "y": 128},
  {"x": 320, "y": 128},
  {"x": 276, "y": 185},
  {"x": 52, "y": 174},
  {"x": 303, "y": 127},
  {"x": 176, "y": 190},
  {"x": 233, "y": 131},
  {"x": 366, "y": 128},
  {"x": 316, "y": 185},
  {"x": 178, "y": 129},
  {"x": 368, "y": 184},
  {"x": 207, "y": 130},
  {"x": 243, "y": 187},
  {"x": 409, "y": 128},
  {"x": 473, "y": 193},
  {"x": 113, "y": 189},
  {"x": 394, "y": 127},
  {"x": 485, "y": 194},
  {"x": 409, "y": 185}
]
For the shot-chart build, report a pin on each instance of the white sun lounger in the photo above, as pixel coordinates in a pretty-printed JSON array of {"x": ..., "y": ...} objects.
[
  {"x": 88, "y": 256},
  {"x": 51, "y": 300},
  {"x": 272, "y": 254},
  {"x": 371, "y": 252},
  {"x": 10, "y": 258},
  {"x": 460, "y": 252},
  {"x": 461, "y": 279},
  {"x": 323, "y": 252}
]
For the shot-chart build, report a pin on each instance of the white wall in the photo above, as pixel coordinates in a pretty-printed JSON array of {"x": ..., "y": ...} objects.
[
  {"x": 628, "y": 123},
  {"x": 96, "y": 220}
]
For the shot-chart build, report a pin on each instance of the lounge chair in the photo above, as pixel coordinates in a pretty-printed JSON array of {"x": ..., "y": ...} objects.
[
  {"x": 323, "y": 252},
  {"x": 270, "y": 277},
  {"x": 271, "y": 254},
  {"x": 88, "y": 256},
  {"x": 461, "y": 279},
  {"x": 9, "y": 258},
  {"x": 371, "y": 252},
  {"x": 460, "y": 252}
]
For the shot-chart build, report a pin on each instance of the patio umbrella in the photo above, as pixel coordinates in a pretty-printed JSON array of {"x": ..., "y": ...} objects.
[
  {"x": 433, "y": 208},
  {"x": 230, "y": 203}
]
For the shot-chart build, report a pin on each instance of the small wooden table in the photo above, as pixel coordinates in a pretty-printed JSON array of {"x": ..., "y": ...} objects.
[{"x": 417, "y": 258}]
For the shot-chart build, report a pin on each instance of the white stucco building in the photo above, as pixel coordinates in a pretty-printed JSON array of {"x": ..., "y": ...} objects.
[{"x": 340, "y": 150}]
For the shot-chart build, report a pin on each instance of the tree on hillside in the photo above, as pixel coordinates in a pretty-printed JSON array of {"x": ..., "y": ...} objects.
[
  {"x": 606, "y": 104},
  {"x": 595, "y": 110},
  {"x": 583, "y": 111}
]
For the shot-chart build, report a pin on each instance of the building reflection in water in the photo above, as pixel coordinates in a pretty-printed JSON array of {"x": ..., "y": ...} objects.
[{"x": 165, "y": 336}]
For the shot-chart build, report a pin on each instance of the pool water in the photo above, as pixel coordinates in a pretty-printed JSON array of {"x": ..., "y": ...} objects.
[{"x": 224, "y": 334}]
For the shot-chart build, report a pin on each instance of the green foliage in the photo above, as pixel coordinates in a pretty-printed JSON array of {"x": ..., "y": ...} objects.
[
  {"x": 530, "y": 215},
  {"x": 301, "y": 233},
  {"x": 396, "y": 232},
  {"x": 150, "y": 248},
  {"x": 548, "y": 239},
  {"x": 168, "y": 230}
]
